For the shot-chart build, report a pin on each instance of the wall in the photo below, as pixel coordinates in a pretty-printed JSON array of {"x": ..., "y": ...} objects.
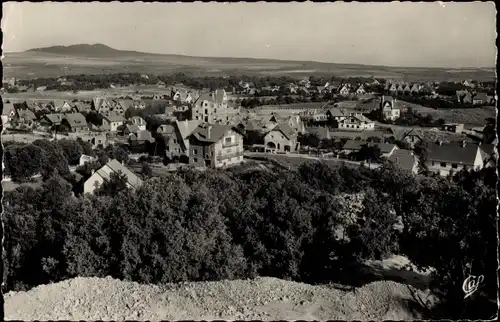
[
  {"x": 232, "y": 154},
  {"x": 280, "y": 141},
  {"x": 436, "y": 167}
]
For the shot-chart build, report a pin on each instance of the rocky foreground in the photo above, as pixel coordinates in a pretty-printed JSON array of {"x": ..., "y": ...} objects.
[{"x": 261, "y": 298}]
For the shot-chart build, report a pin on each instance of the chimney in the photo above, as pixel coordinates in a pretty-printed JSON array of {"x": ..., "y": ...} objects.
[
  {"x": 397, "y": 160},
  {"x": 463, "y": 144},
  {"x": 209, "y": 128},
  {"x": 439, "y": 142},
  {"x": 122, "y": 163},
  {"x": 92, "y": 172}
]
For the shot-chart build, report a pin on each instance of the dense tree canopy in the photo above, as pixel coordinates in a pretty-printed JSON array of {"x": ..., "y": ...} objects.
[{"x": 225, "y": 224}]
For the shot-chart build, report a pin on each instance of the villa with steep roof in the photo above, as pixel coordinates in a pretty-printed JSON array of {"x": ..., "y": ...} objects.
[
  {"x": 389, "y": 108},
  {"x": 113, "y": 121},
  {"x": 212, "y": 108},
  {"x": 75, "y": 122},
  {"x": 215, "y": 145},
  {"x": 281, "y": 139},
  {"x": 357, "y": 122}
]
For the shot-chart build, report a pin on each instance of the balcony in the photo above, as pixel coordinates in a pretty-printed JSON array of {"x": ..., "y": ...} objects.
[
  {"x": 229, "y": 156},
  {"x": 228, "y": 145}
]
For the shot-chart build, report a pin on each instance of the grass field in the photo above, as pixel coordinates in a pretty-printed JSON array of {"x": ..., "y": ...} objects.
[
  {"x": 468, "y": 116},
  {"x": 40, "y": 64}
]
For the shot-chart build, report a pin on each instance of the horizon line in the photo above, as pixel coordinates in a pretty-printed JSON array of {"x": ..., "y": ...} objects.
[{"x": 259, "y": 58}]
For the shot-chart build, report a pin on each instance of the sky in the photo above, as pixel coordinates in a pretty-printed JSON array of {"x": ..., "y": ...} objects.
[{"x": 450, "y": 34}]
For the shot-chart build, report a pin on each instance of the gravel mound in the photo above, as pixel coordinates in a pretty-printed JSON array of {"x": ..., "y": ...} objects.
[{"x": 259, "y": 299}]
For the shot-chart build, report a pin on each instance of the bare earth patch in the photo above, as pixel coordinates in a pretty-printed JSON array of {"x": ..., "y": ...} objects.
[{"x": 262, "y": 298}]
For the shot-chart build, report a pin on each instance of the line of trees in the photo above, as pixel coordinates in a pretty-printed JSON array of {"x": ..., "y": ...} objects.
[{"x": 198, "y": 226}]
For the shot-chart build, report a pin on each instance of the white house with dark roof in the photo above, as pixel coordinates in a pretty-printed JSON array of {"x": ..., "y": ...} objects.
[
  {"x": 446, "y": 158},
  {"x": 357, "y": 122},
  {"x": 212, "y": 108},
  {"x": 113, "y": 121}
]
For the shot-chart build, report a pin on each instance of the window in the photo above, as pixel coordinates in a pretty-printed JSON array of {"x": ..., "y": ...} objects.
[
  {"x": 443, "y": 164},
  {"x": 195, "y": 160},
  {"x": 175, "y": 140},
  {"x": 215, "y": 111},
  {"x": 206, "y": 118},
  {"x": 206, "y": 111},
  {"x": 229, "y": 150},
  {"x": 197, "y": 117},
  {"x": 454, "y": 165},
  {"x": 228, "y": 140},
  {"x": 194, "y": 151}
]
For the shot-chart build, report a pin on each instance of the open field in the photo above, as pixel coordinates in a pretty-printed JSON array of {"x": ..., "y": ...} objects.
[
  {"x": 43, "y": 64},
  {"x": 467, "y": 116}
]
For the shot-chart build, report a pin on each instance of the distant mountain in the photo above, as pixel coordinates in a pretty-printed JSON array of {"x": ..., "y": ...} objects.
[{"x": 86, "y": 50}]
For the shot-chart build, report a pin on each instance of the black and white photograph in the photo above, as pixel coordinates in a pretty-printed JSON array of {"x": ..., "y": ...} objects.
[{"x": 249, "y": 161}]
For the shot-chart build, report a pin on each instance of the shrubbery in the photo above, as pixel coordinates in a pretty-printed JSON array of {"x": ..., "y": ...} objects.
[{"x": 195, "y": 226}]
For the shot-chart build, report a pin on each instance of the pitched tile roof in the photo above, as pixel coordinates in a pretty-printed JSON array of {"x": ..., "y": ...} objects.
[
  {"x": 321, "y": 132},
  {"x": 403, "y": 158},
  {"x": 7, "y": 108},
  {"x": 26, "y": 114},
  {"x": 55, "y": 118},
  {"x": 336, "y": 112},
  {"x": 142, "y": 136},
  {"x": 112, "y": 117},
  {"x": 285, "y": 129},
  {"x": 115, "y": 166},
  {"x": 453, "y": 153},
  {"x": 166, "y": 129},
  {"x": 186, "y": 128},
  {"x": 217, "y": 132},
  {"x": 75, "y": 120},
  {"x": 132, "y": 128}
]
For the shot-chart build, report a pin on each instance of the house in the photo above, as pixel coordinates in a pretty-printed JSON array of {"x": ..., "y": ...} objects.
[
  {"x": 282, "y": 138},
  {"x": 129, "y": 129},
  {"x": 82, "y": 107},
  {"x": 215, "y": 145},
  {"x": 24, "y": 118},
  {"x": 353, "y": 146},
  {"x": 179, "y": 143},
  {"x": 345, "y": 90},
  {"x": 357, "y": 122},
  {"x": 50, "y": 120},
  {"x": 407, "y": 88},
  {"x": 467, "y": 99},
  {"x": 8, "y": 112},
  {"x": 480, "y": 98},
  {"x": 453, "y": 127},
  {"x": 411, "y": 137},
  {"x": 488, "y": 154},
  {"x": 401, "y": 88},
  {"x": 104, "y": 173},
  {"x": 86, "y": 158},
  {"x": 41, "y": 88},
  {"x": 389, "y": 109},
  {"x": 113, "y": 121},
  {"x": 138, "y": 121},
  {"x": 448, "y": 158},
  {"x": 125, "y": 104},
  {"x": 62, "y": 106},
  {"x": 415, "y": 88},
  {"x": 212, "y": 108},
  {"x": 323, "y": 133},
  {"x": 75, "y": 122},
  {"x": 405, "y": 159},
  {"x": 361, "y": 90},
  {"x": 141, "y": 137},
  {"x": 393, "y": 89},
  {"x": 335, "y": 114}
]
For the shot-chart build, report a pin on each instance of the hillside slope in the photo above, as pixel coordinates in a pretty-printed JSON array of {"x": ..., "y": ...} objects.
[{"x": 262, "y": 298}]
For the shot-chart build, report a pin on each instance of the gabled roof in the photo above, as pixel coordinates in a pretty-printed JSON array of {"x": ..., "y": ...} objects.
[
  {"x": 7, "y": 108},
  {"x": 212, "y": 132},
  {"x": 75, "y": 120},
  {"x": 403, "y": 159},
  {"x": 112, "y": 117},
  {"x": 59, "y": 103},
  {"x": 126, "y": 104},
  {"x": 166, "y": 129},
  {"x": 26, "y": 114},
  {"x": 113, "y": 166},
  {"x": 336, "y": 112},
  {"x": 453, "y": 153},
  {"x": 186, "y": 128},
  {"x": 138, "y": 120},
  {"x": 55, "y": 118},
  {"x": 82, "y": 106},
  {"x": 285, "y": 129},
  {"x": 252, "y": 125},
  {"x": 132, "y": 128},
  {"x": 142, "y": 136}
]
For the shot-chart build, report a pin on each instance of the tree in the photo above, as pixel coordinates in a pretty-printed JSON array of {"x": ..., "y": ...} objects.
[
  {"x": 370, "y": 153},
  {"x": 421, "y": 151},
  {"x": 73, "y": 150},
  {"x": 116, "y": 183},
  {"x": 23, "y": 161},
  {"x": 146, "y": 170}
]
